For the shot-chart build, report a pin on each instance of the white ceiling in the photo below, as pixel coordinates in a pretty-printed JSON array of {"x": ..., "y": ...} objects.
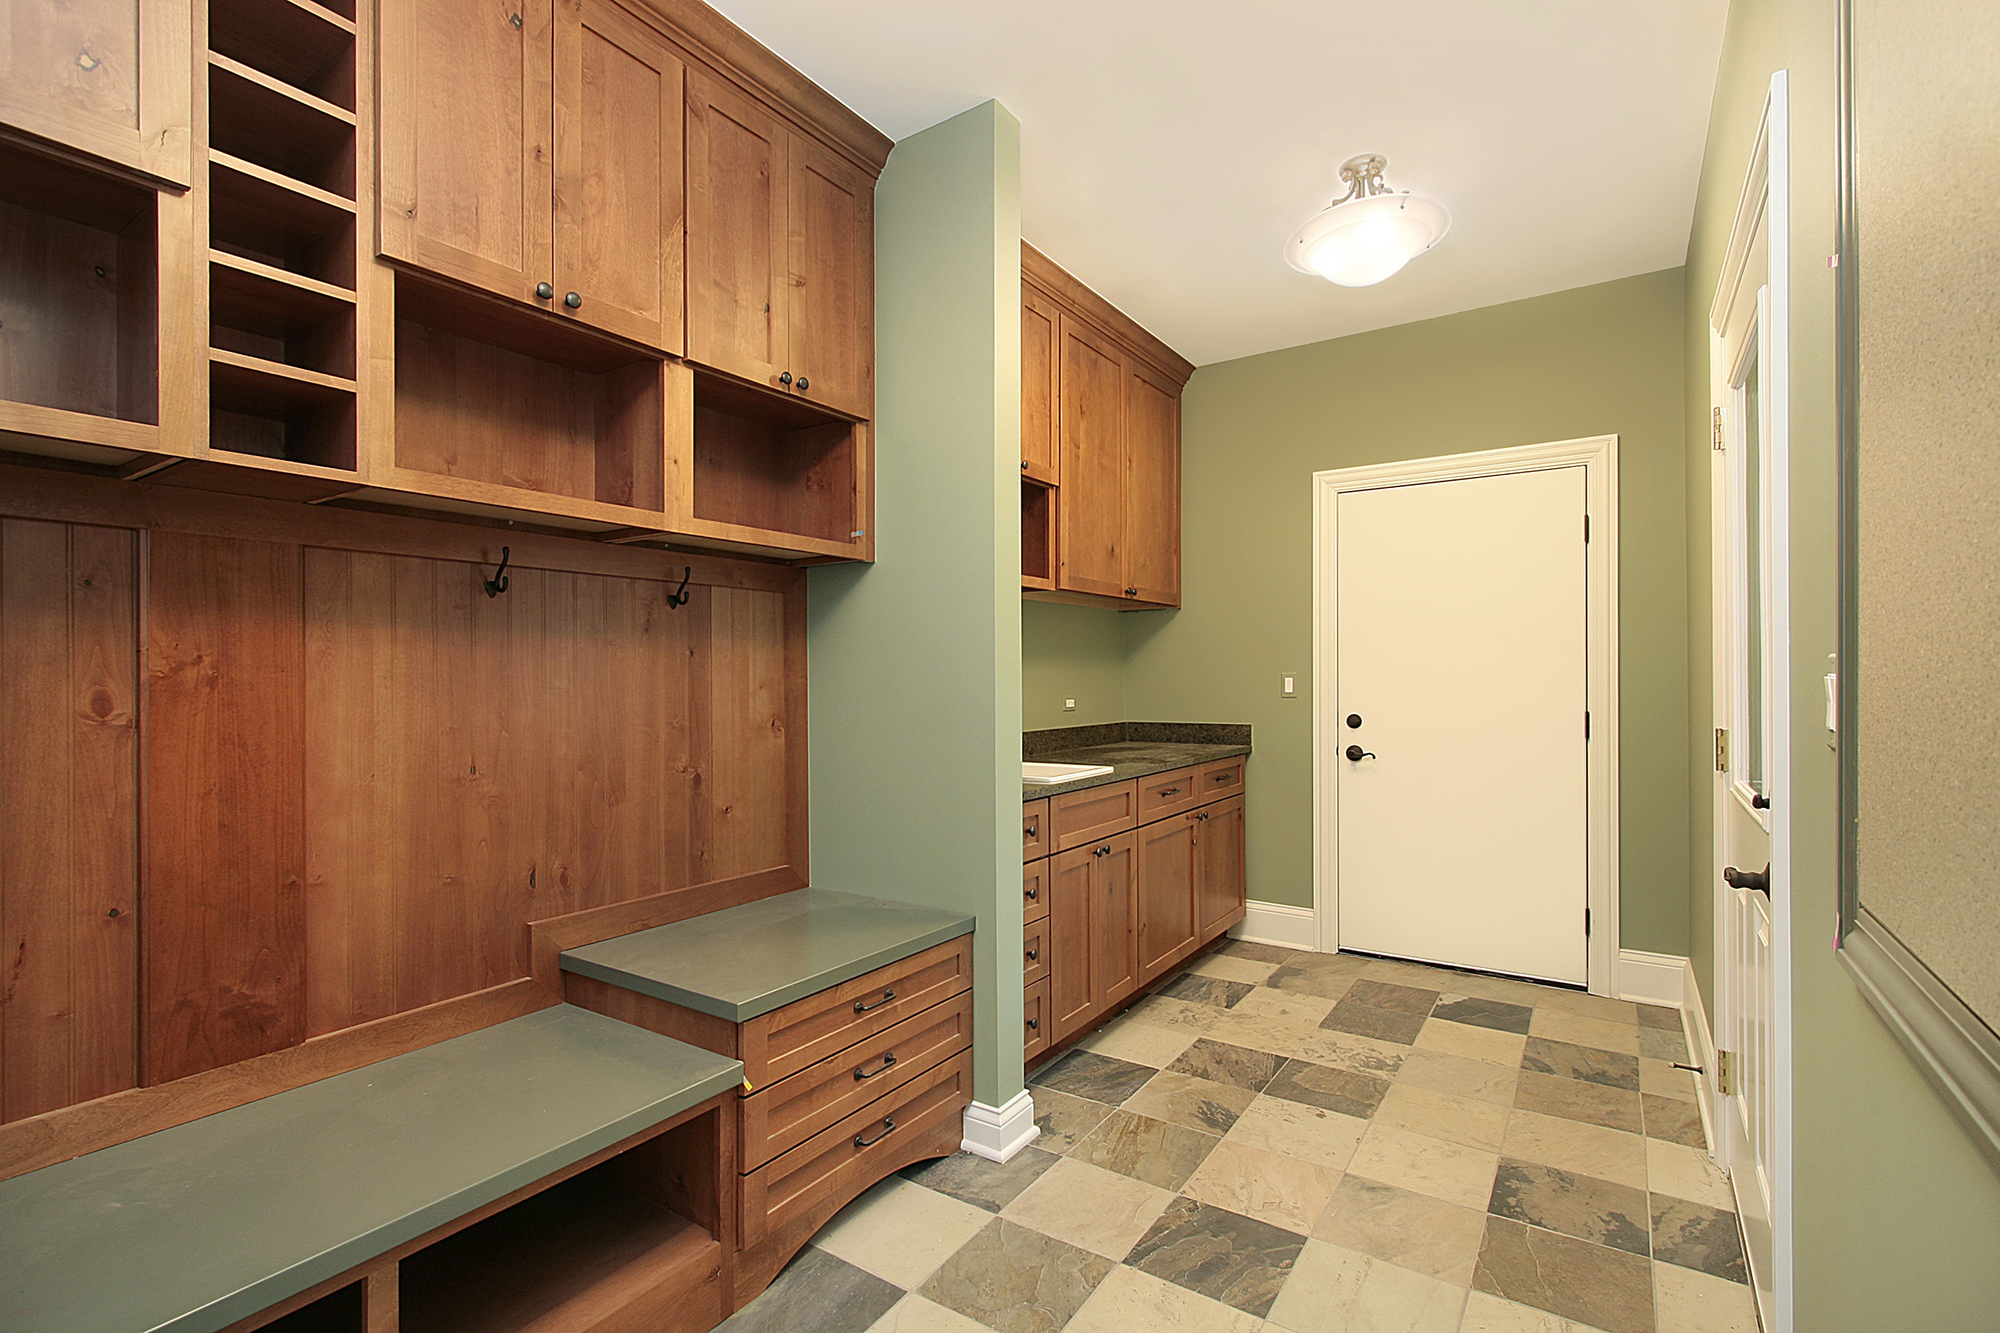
[{"x": 1168, "y": 148}]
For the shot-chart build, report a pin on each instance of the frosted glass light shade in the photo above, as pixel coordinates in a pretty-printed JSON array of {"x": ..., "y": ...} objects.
[{"x": 1361, "y": 242}]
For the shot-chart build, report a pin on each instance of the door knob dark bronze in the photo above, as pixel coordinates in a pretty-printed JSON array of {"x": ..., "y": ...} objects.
[
  {"x": 1354, "y": 720},
  {"x": 1760, "y": 880},
  {"x": 1357, "y": 754},
  {"x": 574, "y": 300},
  {"x": 544, "y": 291}
]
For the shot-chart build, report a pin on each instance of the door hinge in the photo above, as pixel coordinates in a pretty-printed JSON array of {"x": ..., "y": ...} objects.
[
  {"x": 1586, "y": 528},
  {"x": 1721, "y": 750},
  {"x": 1586, "y": 724},
  {"x": 1718, "y": 427},
  {"x": 1725, "y": 1073},
  {"x": 1586, "y": 923}
]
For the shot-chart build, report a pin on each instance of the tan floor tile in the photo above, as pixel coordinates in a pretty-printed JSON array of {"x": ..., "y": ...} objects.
[
  {"x": 901, "y": 1232},
  {"x": 1562, "y": 1025},
  {"x": 1233, "y": 969},
  {"x": 1660, "y": 1076},
  {"x": 1411, "y": 974},
  {"x": 1294, "y": 1129},
  {"x": 1351, "y": 1051},
  {"x": 1573, "y": 1145},
  {"x": 1283, "y": 1191},
  {"x": 1447, "y": 1171},
  {"x": 1145, "y": 1149},
  {"x": 1411, "y": 1230},
  {"x": 1441, "y": 1071},
  {"x": 1462, "y": 1120},
  {"x": 1141, "y": 1043},
  {"x": 914, "y": 1314},
  {"x": 1688, "y": 1301},
  {"x": 1582, "y": 1005},
  {"x": 1335, "y": 1290},
  {"x": 1497, "y": 988},
  {"x": 1502, "y": 1048},
  {"x": 1687, "y": 1173},
  {"x": 1267, "y": 1003},
  {"x": 1089, "y": 1207},
  {"x": 1129, "y": 1300},
  {"x": 1262, "y": 1032},
  {"x": 1574, "y": 1099},
  {"x": 1494, "y": 1314},
  {"x": 1196, "y": 1103},
  {"x": 1165, "y": 1011}
]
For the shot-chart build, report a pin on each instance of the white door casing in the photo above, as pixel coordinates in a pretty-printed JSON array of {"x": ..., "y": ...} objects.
[
  {"x": 1596, "y": 458},
  {"x": 1749, "y": 506}
]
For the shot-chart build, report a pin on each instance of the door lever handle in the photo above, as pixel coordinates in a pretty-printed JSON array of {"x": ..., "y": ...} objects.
[
  {"x": 1357, "y": 754},
  {"x": 1760, "y": 880}
]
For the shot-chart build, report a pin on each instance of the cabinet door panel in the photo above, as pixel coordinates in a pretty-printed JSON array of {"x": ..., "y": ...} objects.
[
  {"x": 466, "y": 121},
  {"x": 1219, "y": 881},
  {"x": 1114, "y": 922},
  {"x": 831, "y": 328},
  {"x": 1090, "y": 508},
  {"x": 1152, "y": 486},
  {"x": 737, "y": 232},
  {"x": 1072, "y": 998},
  {"x": 105, "y": 77},
  {"x": 1040, "y": 321},
  {"x": 619, "y": 179},
  {"x": 1166, "y": 892}
]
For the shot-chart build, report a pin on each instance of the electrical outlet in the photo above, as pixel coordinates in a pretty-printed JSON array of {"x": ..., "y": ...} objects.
[
  {"x": 1069, "y": 705},
  {"x": 1288, "y": 687}
]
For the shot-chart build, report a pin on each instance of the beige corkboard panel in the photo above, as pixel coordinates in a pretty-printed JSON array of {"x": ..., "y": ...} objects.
[{"x": 1927, "y": 189}]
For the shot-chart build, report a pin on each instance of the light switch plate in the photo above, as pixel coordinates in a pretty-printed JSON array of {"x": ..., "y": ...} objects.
[
  {"x": 1069, "y": 705},
  {"x": 1288, "y": 687}
]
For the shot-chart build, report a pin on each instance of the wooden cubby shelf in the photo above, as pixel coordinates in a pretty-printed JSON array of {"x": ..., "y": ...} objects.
[
  {"x": 1038, "y": 535},
  {"x": 297, "y": 42},
  {"x": 775, "y": 471},
  {"x": 256, "y": 118}
]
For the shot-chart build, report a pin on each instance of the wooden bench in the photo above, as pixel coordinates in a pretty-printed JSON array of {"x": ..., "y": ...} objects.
[{"x": 561, "y": 1170}]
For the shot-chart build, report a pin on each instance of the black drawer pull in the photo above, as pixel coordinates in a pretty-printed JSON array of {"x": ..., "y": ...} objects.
[
  {"x": 888, "y": 1128},
  {"x": 1032, "y": 831},
  {"x": 1170, "y": 791},
  {"x": 888, "y": 1059},
  {"x": 1035, "y": 1024},
  {"x": 1033, "y": 954},
  {"x": 887, "y": 995},
  {"x": 1034, "y": 894}
]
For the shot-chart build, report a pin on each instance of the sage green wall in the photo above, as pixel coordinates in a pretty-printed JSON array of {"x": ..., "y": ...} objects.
[
  {"x": 915, "y": 687},
  {"x": 1071, "y": 652},
  {"x": 1897, "y": 1214},
  {"x": 1599, "y": 360}
]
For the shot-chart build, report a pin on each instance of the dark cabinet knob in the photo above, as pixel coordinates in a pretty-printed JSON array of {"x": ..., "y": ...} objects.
[
  {"x": 1034, "y": 1024},
  {"x": 1034, "y": 894},
  {"x": 1033, "y": 954},
  {"x": 573, "y": 301},
  {"x": 1357, "y": 754},
  {"x": 1024, "y": 465},
  {"x": 1131, "y": 592},
  {"x": 1033, "y": 831},
  {"x": 1759, "y": 880},
  {"x": 804, "y": 384},
  {"x": 785, "y": 378},
  {"x": 544, "y": 292}
]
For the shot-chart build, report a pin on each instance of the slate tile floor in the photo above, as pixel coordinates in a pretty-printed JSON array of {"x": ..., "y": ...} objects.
[{"x": 1312, "y": 1143}]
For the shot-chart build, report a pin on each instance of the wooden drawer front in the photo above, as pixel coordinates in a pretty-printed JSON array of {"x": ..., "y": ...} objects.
[
  {"x": 1035, "y": 839},
  {"x": 1034, "y": 891},
  {"x": 1035, "y": 952},
  {"x": 837, "y": 1160},
  {"x": 1165, "y": 793},
  {"x": 1097, "y": 813},
  {"x": 781, "y": 1043},
  {"x": 1035, "y": 1021},
  {"x": 786, "y": 1114},
  {"x": 1222, "y": 778}
]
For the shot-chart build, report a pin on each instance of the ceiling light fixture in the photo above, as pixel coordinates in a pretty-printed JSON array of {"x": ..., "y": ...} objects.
[{"x": 1370, "y": 232}]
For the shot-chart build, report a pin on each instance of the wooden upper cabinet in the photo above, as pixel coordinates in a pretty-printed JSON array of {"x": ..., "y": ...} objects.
[
  {"x": 1152, "y": 485},
  {"x": 738, "y": 233},
  {"x": 832, "y": 309},
  {"x": 1040, "y": 381},
  {"x": 618, "y": 174},
  {"x": 466, "y": 126},
  {"x": 108, "y": 78},
  {"x": 1090, "y": 512}
]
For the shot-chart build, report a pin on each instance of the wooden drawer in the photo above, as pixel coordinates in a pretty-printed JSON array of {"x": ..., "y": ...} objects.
[
  {"x": 1034, "y": 891},
  {"x": 1035, "y": 1020},
  {"x": 1222, "y": 778},
  {"x": 781, "y": 1043},
  {"x": 1166, "y": 793},
  {"x": 786, "y": 1114},
  {"x": 1100, "y": 812},
  {"x": 837, "y": 1161},
  {"x": 1035, "y": 841},
  {"x": 1035, "y": 951}
]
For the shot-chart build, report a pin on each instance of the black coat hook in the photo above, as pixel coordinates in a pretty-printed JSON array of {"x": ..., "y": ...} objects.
[
  {"x": 679, "y": 596},
  {"x": 498, "y": 583}
]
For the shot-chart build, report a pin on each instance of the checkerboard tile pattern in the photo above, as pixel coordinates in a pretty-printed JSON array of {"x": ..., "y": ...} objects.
[{"x": 1306, "y": 1143}]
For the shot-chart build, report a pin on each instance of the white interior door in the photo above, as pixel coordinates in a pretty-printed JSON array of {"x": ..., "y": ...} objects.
[{"x": 1462, "y": 678}]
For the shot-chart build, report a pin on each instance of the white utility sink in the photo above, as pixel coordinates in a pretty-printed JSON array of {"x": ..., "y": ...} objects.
[{"x": 1043, "y": 775}]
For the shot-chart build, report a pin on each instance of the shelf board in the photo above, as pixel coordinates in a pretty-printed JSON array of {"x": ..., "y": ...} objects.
[
  {"x": 252, "y": 385},
  {"x": 33, "y": 428},
  {"x": 269, "y": 213},
  {"x": 252, "y": 115},
  {"x": 294, "y": 41},
  {"x": 257, "y": 298}
]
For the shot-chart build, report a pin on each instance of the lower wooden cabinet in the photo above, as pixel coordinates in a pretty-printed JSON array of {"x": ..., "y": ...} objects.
[
  {"x": 1034, "y": 1020},
  {"x": 1219, "y": 878},
  {"x": 1168, "y": 856},
  {"x": 1094, "y": 911}
]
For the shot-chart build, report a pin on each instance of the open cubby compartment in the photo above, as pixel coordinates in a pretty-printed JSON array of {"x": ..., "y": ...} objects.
[
  {"x": 774, "y": 464},
  {"x": 258, "y": 214},
  {"x": 306, "y": 45},
  {"x": 260, "y": 119},
  {"x": 1038, "y": 535},
  {"x": 343, "y": 1310},
  {"x": 271, "y": 410},
  {"x": 260, "y": 311},
  {"x": 492, "y": 393},
  {"x": 616, "y": 1239},
  {"x": 79, "y": 290}
]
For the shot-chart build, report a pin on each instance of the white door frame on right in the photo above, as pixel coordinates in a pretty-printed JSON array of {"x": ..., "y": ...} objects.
[{"x": 1755, "y": 285}]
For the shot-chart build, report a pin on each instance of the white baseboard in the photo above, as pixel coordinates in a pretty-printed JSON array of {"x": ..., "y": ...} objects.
[
  {"x": 998, "y": 1132},
  {"x": 1275, "y": 923},
  {"x": 1651, "y": 978},
  {"x": 1701, "y": 1048}
]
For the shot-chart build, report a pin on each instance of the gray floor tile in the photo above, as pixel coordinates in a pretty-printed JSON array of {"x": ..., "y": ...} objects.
[
  {"x": 1097, "y": 1077},
  {"x": 1219, "y": 1254},
  {"x": 985, "y": 1184},
  {"x": 1699, "y": 1237},
  {"x": 818, "y": 1292},
  {"x": 1568, "y": 1060}
]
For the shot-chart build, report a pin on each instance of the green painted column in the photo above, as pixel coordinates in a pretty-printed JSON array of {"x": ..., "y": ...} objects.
[{"x": 915, "y": 661}]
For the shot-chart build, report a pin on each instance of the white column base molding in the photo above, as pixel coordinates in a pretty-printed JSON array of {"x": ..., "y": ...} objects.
[
  {"x": 998, "y": 1132},
  {"x": 1651, "y": 978},
  {"x": 1701, "y": 1051},
  {"x": 1275, "y": 923}
]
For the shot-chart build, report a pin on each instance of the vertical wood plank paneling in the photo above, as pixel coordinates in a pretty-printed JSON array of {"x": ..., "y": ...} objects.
[
  {"x": 224, "y": 947},
  {"x": 748, "y": 704}
]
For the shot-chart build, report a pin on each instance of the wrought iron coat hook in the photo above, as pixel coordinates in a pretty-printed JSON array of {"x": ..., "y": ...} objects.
[
  {"x": 498, "y": 583},
  {"x": 679, "y": 596}
]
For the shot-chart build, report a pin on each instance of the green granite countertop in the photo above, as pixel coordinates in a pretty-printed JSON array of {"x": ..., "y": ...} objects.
[
  {"x": 748, "y": 960},
  {"x": 1128, "y": 760},
  {"x": 192, "y": 1228}
]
